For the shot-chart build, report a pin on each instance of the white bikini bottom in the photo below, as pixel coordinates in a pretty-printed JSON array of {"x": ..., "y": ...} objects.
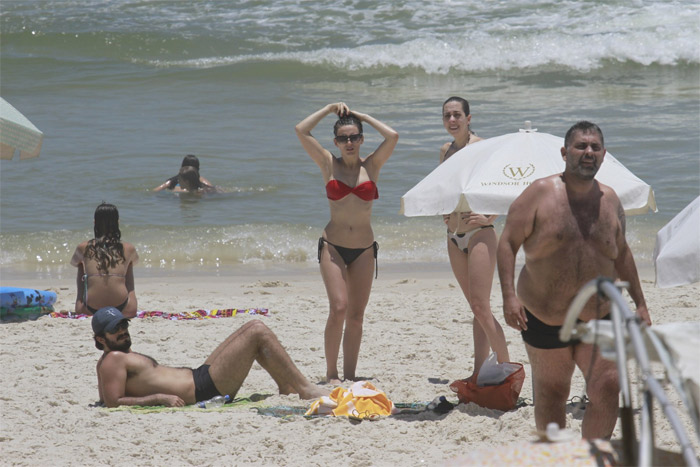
[{"x": 461, "y": 240}]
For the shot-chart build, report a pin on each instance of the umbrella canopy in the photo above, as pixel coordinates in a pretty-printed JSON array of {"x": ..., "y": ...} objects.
[
  {"x": 17, "y": 132},
  {"x": 487, "y": 176},
  {"x": 677, "y": 251}
]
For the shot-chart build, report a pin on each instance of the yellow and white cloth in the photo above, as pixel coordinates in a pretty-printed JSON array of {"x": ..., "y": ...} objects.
[{"x": 362, "y": 400}]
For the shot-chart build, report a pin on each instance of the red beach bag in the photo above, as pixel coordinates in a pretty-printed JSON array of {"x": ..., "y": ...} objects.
[{"x": 503, "y": 396}]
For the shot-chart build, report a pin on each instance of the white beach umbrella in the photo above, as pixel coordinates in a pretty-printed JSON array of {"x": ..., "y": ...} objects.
[
  {"x": 677, "y": 251},
  {"x": 17, "y": 133},
  {"x": 487, "y": 176}
]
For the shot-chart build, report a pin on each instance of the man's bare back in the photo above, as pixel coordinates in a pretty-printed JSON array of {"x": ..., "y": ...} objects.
[
  {"x": 111, "y": 287},
  {"x": 567, "y": 246}
]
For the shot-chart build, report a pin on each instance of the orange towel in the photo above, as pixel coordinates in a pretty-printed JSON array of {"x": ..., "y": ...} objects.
[{"x": 362, "y": 401}]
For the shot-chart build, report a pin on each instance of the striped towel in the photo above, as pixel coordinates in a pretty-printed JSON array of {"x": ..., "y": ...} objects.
[{"x": 186, "y": 315}]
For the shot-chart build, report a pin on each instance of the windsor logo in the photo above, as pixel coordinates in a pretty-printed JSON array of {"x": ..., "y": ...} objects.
[{"x": 519, "y": 172}]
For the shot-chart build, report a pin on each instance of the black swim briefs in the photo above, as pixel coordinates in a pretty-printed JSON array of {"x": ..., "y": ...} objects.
[
  {"x": 544, "y": 336},
  {"x": 204, "y": 388}
]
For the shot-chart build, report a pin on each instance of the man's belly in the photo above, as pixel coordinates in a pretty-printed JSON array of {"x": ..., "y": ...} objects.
[
  {"x": 548, "y": 296},
  {"x": 163, "y": 380}
]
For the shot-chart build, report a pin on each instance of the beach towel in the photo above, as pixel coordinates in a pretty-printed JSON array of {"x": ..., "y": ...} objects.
[
  {"x": 252, "y": 401},
  {"x": 203, "y": 314},
  {"x": 361, "y": 401},
  {"x": 25, "y": 313},
  {"x": 186, "y": 315},
  {"x": 286, "y": 412}
]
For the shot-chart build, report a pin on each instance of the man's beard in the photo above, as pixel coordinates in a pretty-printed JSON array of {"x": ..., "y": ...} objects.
[
  {"x": 118, "y": 344},
  {"x": 585, "y": 172}
]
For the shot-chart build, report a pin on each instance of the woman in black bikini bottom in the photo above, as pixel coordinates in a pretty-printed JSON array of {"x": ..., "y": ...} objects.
[
  {"x": 105, "y": 267},
  {"x": 351, "y": 187},
  {"x": 120, "y": 307},
  {"x": 350, "y": 254}
]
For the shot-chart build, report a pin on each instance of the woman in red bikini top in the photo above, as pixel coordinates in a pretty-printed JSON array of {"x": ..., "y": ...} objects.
[
  {"x": 347, "y": 251},
  {"x": 471, "y": 246},
  {"x": 106, "y": 267}
]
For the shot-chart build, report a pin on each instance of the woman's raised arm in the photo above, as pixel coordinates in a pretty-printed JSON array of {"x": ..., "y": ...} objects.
[
  {"x": 386, "y": 148},
  {"x": 318, "y": 153}
]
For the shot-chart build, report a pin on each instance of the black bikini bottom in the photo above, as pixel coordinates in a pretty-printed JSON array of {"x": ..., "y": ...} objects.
[
  {"x": 120, "y": 307},
  {"x": 350, "y": 254},
  {"x": 544, "y": 336}
]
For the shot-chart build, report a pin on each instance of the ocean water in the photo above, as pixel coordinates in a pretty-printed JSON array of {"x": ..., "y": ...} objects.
[{"x": 124, "y": 89}]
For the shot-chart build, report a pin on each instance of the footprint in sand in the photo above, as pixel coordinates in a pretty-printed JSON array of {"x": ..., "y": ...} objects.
[{"x": 270, "y": 284}]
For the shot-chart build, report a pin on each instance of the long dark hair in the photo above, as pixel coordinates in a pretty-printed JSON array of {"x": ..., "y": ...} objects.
[
  {"x": 106, "y": 248},
  {"x": 190, "y": 160},
  {"x": 189, "y": 178}
]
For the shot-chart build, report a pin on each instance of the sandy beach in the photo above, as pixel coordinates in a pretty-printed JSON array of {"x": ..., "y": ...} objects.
[
  {"x": 123, "y": 90},
  {"x": 417, "y": 339}
]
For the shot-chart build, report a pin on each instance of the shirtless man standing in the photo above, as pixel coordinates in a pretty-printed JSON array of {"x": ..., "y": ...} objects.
[
  {"x": 572, "y": 229},
  {"x": 129, "y": 378}
]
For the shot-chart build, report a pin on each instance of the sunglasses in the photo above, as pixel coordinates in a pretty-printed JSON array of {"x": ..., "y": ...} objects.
[{"x": 345, "y": 138}]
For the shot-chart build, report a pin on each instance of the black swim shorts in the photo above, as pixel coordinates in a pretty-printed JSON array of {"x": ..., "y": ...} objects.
[
  {"x": 544, "y": 336},
  {"x": 204, "y": 388}
]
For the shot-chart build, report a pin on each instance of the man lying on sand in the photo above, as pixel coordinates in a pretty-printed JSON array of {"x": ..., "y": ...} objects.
[{"x": 129, "y": 378}]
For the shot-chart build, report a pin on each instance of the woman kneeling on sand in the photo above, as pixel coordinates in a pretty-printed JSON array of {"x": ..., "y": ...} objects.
[{"x": 105, "y": 267}]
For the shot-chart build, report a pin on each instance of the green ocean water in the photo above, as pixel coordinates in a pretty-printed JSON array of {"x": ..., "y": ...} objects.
[{"x": 123, "y": 90}]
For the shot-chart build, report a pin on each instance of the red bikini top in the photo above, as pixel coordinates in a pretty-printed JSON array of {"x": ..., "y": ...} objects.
[{"x": 367, "y": 191}]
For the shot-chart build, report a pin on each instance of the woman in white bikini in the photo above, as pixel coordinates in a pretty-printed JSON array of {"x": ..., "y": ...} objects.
[
  {"x": 105, "y": 267},
  {"x": 471, "y": 246},
  {"x": 347, "y": 251}
]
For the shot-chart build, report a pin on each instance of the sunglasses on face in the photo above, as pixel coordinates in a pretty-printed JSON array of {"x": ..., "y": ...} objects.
[{"x": 345, "y": 138}]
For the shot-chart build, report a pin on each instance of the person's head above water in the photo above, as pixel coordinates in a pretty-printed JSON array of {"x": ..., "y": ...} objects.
[
  {"x": 107, "y": 222},
  {"x": 189, "y": 178},
  {"x": 190, "y": 161}
]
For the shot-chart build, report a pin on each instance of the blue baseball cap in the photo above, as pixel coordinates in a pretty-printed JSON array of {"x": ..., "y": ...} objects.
[{"x": 106, "y": 320}]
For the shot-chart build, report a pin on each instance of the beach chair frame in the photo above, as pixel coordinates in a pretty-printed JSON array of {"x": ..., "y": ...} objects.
[{"x": 628, "y": 328}]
